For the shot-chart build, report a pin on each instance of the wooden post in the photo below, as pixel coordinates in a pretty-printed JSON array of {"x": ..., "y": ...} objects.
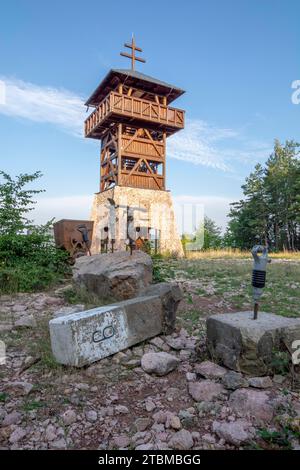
[
  {"x": 164, "y": 161},
  {"x": 119, "y": 178}
]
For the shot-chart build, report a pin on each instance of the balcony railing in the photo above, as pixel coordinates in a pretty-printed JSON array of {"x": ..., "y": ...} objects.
[{"x": 129, "y": 106}]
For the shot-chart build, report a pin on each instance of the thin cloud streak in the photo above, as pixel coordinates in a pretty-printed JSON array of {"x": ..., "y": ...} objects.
[
  {"x": 199, "y": 143},
  {"x": 44, "y": 104}
]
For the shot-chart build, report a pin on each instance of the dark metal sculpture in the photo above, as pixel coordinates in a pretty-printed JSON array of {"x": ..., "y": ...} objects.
[
  {"x": 85, "y": 237},
  {"x": 259, "y": 274}
]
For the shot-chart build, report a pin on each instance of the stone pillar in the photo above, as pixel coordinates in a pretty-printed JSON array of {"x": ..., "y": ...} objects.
[{"x": 149, "y": 209}]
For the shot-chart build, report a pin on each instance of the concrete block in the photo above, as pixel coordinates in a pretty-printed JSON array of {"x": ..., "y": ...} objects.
[
  {"x": 247, "y": 345},
  {"x": 84, "y": 337},
  {"x": 171, "y": 296}
]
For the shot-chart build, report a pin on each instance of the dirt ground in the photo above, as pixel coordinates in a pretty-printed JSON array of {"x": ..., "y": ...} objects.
[{"x": 115, "y": 404}]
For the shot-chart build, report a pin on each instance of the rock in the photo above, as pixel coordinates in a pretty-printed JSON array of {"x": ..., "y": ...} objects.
[
  {"x": 27, "y": 321},
  {"x": 235, "y": 433},
  {"x": 18, "y": 308},
  {"x": 17, "y": 435},
  {"x": 210, "y": 370},
  {"x": 121, "y": 409},
  {"x": 50, "y": 433},
  {"x": 172, "y": 393},
  {"x": 91, "y": 416},
  {"x": 58, "y": 444},
  {"x": 11, "y": 418},
  {"x": 208, "y": 407},
  {"x": 170, "y": 295},
  {"x": 252, "y": 403},
  {"x": 121, "y": 441},
  {"x": 145, "y": 447},
  {"x": 7, "y": 326},
  {"x": 68, "y": 310},
  {"x": 149, "y": 405},
  {"x": 260, "y": 382},
  {"x": 132, "y": 363},
  {"x": 142, "y": 424},
  {"x": 19, "y": 388},
  {"x": 85, "y": 337},
  {"x": 69, "y": 417},
  {"x": 82, "y": 386},
  {"x": 118, "y": 275},
  {"x": 279, "y": 379},
  {"x": 233, "y": 380},
  {"x": 245, "y": 345},
  {"x": 181, "y": 440},
  {"x": 158, "y": 342},
  {"x": 174, "y": 422},
  {"x": 205, "y": 390},
  {"x": 187, "y": 419},
  {"x": 190, "y": 376},
  {"x": 209, "y": 438},
  {"x": 160, "y": 363},
  {"x": 175, "y": 343}
]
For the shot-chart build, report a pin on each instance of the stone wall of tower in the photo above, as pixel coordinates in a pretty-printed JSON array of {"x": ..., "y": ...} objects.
[{"x": 148, "y": 208}]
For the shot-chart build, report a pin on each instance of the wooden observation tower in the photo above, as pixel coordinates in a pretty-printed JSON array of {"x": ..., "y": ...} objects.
[{"x": 132, "y": 118}]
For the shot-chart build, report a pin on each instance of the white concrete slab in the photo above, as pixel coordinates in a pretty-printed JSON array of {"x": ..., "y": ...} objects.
[{"x": 84, "y": 337}]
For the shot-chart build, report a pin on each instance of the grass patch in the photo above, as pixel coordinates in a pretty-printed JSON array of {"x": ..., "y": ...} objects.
[
  {"x": 88, "y": 299},
  {"x": 3, "y": 397},
  {"x": 33, "y": 405}
]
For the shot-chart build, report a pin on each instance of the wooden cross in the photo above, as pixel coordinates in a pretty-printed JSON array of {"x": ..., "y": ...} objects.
[{"x": 132, "y": 56}]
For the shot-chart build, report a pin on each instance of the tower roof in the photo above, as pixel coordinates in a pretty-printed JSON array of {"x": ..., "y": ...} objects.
[{"x": 135, "y": 79}]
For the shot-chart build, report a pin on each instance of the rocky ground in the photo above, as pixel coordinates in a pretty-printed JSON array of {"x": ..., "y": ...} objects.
[{"x": 164, "y": 393}]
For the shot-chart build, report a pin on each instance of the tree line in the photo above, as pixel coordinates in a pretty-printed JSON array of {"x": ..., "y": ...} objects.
[{"x": 269, "y": 211}]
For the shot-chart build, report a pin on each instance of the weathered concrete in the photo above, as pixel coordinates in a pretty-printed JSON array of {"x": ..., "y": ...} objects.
[
  {"x": 116, "y": 275},
  {"x": 148, "y": 207},
  {"x": 170, "y": 295},
  {"x": 84, "y": 337},
  {"x": 248, "y": 345}
]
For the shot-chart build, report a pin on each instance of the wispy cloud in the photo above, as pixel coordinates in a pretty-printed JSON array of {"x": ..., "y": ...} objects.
[
  {"x": 220, "y": 148},
  {"x": 43, "y": 104},
  {"x": 199, "y": 143}
]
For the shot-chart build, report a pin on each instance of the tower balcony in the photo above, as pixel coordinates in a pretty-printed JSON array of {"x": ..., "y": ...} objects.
[{"x": 118, "y": 108}]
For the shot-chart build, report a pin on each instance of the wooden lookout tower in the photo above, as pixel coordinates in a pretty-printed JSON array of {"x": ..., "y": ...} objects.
[{"x": 132, "y": 119}]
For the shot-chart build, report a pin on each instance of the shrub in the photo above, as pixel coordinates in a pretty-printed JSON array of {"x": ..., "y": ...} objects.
[{"x": 29, "y": 260}]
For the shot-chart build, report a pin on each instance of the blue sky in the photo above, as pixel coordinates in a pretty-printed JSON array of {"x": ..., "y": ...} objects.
[{"x": 236, "y": 59}]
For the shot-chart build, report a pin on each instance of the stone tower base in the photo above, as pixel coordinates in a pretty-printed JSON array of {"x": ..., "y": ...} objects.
[{"x": 141, "y": 214}]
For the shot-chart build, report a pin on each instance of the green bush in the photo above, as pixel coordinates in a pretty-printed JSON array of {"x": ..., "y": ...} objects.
[{"x": 29, "y": 260}]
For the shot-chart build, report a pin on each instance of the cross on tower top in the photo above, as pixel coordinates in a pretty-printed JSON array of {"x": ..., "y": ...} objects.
[{"x": 132, "y": 56}]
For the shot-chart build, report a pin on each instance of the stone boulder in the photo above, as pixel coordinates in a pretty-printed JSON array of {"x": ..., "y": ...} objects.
[
  {"x": 181, "y": 440},
  {"x": 233, "y": 380},
  {"x": 235, "y": 433},
  {"x": 210, "y": 370},
  {"x": 118, "y": 275},
  {"x": 160, "y": 363},
  {"x": 206, "y": 390},
  {"x": 254, "y": 404}
]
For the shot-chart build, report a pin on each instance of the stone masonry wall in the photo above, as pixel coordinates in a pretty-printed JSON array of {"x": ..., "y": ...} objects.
[{"x": 149, "y": 208}]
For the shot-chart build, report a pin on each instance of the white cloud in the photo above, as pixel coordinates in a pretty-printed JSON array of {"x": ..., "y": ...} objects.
[
  {"x": 44, "y": 104},
  {"x": 203, "y": 144},
  {"x": 2, "y": 93},
  {"x": 199, "y": 143}
]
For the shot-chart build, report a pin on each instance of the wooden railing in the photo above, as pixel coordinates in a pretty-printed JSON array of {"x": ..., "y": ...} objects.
[{"x": 134, "y": 107}]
